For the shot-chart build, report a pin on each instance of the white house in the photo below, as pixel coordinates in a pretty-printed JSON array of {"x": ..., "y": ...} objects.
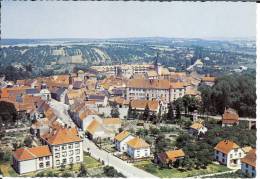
[
  {"x": 248, "y": 163},
  {"x": 229, "y": 153},
  {"x": 32, "y": 159},
  {"x": 138, "y": 148},
  {"x": 45, "y": 94},
  {"x": 86, "y": 117},
  {"x": 65, "y": 145},
  {"x": 121, "y": 140},
  {"x": 197, "y": 129}
]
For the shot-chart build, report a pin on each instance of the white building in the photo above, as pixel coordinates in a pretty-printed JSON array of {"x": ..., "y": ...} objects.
[
  {"x": 65, "y": 145},
  {"x": 229, "y": 153},
  {"x": 248, "y": 163},
  {"x": 45, "y": 94},
  {"x": 27, "y": 160},
  {"x": 121, "y": 140},
  {"x": 154, "y": 89},
  {"x": 138, "y": 148}
]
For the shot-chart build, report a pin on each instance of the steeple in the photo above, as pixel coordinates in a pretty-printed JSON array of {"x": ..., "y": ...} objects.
[{"x": 156, "y": 59}]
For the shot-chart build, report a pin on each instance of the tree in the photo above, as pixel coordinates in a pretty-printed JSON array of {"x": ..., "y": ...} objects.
[
  {"x": 146, "y": 114},
  {"x": 170, "y": 115},
  {"x": 109, "y": 171},
  {"x": 28, "y": 141},
  {"x": 82, "y": 171},
  {"x": 160, "y": 144},
  {"x": 130, "y": 112},
  {"x": 178, "y": 105},
  {"x": 115, "y": 112},
  {"x": 8, "y": 113}
]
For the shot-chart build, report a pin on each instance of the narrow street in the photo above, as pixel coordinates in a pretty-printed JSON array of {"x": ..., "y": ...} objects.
[{"x": 125, "y": 168}]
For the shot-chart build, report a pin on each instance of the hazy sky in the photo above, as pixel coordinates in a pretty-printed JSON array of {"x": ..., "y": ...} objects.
[{"x": 59, "y": 19}]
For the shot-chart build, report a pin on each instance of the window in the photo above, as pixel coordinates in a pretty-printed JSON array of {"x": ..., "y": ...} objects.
[
  {"x": 70, "y": 152},
  {"x": 64, "y": 154},
  {"x": 223, "y": 160},
  {"x": 77, "y": 158},
  {"x": 239, "y": 154},
  {"x": 71, "y": 159},
  {"x": 47, "y": 157},
  {"x": 64, "y": 161},
  {"x": 57, "y": 162},
  {"x": 77, "y": 151},
  {"x": 70, "y": 146},
  {"x": 246, "y": 165},
  {"x": 64, "y": 147},
  {"x": 47, "y": 163},
  {"x": 57, "y": 148},
  {"x": 76, "y": 145},
  {"x": 57, "y": 155},
  {"x": 41, "y": 159},
  {"x": 231, "y": 155},
  {"x": 41, "y": 165}
]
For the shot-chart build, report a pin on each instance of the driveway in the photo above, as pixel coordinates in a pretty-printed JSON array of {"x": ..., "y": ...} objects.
[{"x": 123, "y": 167}]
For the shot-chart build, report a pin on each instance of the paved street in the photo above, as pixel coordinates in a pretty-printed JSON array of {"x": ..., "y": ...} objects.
[
  {"x": 125, "y": 168},
  {"x": 61, "y": 110}
]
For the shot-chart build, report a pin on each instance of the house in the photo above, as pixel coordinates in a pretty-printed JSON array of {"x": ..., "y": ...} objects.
[
  {"x": 58, "y": 93},
  {"x": 140, "y": 105},
  {"x": 119, "y": 101},
  {"x": 96, "y": 130},
  {"x": 229, "y": 153},
  {"x": 208, "y": 80},
  {"x": 27, "y": 160},
  {"x": 112, "y": 124},
  {"x": 230, "y": 118},
  {"x": 45, "y": 94},
  {"x": 86, "y": 116},
  {"x": 65, "y": 146},
  {"x": 137, "y": 148},
  {"x": 248, "y": 163},
  {"x": 168, "y": 158},
  {"x": 101, "y": 100},
  {"x": 197, "y": 129},
  {"x": 121, "y": 140}
]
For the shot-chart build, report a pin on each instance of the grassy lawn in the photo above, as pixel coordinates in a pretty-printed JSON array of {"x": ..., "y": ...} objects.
[
  {"x": 7, "y": 170},
  {"x": 91, "y": 162},
  {"x": 175, "y": 173}
]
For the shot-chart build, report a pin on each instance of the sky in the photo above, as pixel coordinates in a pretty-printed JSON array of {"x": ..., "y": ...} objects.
[{"x": 79, "y": 19}]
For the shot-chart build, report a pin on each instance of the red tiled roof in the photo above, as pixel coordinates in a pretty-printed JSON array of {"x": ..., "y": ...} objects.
[{"x": 32, "y": 153}]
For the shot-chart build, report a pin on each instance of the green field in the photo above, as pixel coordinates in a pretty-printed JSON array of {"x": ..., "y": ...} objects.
[{"x": 175, "y": 173}]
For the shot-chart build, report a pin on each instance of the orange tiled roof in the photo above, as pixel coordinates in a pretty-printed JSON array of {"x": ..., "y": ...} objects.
[
  {"x": 137, "y": 143},
  {"x": 225, "y": 146},
  {"x": 111, "y": 121},
  {"x": 148, "y": 84},
  {"x": 122, "y": 135},
  {"x": 177, "y": 85},
  {"x": 173, "y": 154},
  {"x": 61, "y": 136},
  {"x": 208, "y": 79},
  {"x": 141, "y": 104},
  {"x": 32, "y": 153},
  {"x": 196, "y": 126},
  {"x": 230, "y": 116},
  {"x": 250, "y": 158},
  {"x": 86, "y": 113},
  {"x": 247, "y": 149},
  {"x": 93, "y": 126}
]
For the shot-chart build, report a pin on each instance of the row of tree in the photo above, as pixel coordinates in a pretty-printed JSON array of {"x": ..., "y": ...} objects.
[{"x": 237, "y": 91}]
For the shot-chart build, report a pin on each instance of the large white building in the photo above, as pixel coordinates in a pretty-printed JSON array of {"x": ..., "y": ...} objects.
[
  {"x": 150, "y": 89},
  {"x": 229, "y": 153},
  {"x": 65, "y": 146},
  {"x": 27, "y": 160}
]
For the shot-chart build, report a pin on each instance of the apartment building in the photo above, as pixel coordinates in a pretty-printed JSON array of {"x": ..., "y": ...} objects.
[
  {"x": 151, "y": 89},
  {"x": 65, "y": 146}
]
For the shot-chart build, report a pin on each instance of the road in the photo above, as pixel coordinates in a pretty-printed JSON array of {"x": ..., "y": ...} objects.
[
  {"x": 220, "y": 117},
  {"x": 61, "y": 111},
  {"x": 17, "y": 129},
  {"x": 213, "y": 174},
  {"x": 123, "y": 167}
]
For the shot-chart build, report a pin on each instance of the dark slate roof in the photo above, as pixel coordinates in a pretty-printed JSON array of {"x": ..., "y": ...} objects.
[
  {"x": 19, "y": 99},
  {"x": 32, "y": 91},
  {"x": 59, "y": 91},
  {"x": 96, "y": 97},
  {"x": 77, "y": 84}
]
